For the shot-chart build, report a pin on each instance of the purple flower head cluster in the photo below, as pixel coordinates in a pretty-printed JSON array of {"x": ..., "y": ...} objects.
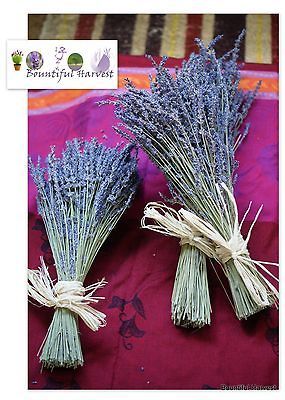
[
  {"x": 81, "y": 196},
  {"x": 17, "y": 53},
  {"x": 190, "y": 123}
]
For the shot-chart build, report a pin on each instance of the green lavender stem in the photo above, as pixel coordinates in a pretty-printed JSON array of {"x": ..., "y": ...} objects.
[
  {"x": 244, "y": 304},
  {"x": 62, "y": 346},
  {"x": 191, "y": 305},
  {"x": 190, "y": 126},
  {"x": 81, "y": 196}
]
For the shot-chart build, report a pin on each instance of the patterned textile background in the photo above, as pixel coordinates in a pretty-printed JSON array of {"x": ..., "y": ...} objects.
[
  {"x": 140, "y": 348},
  {"x": 160, "y": 34}
]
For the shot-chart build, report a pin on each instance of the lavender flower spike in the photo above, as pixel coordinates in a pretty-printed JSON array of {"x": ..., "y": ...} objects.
[
  {"x": 81, "y": 196},
  {"x": 189, "y": 124}
]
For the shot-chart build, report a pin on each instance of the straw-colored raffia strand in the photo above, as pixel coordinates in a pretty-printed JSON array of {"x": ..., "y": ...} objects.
[
  {"x": 190, "y": 228},
  {"x": 66, "y": 294}
]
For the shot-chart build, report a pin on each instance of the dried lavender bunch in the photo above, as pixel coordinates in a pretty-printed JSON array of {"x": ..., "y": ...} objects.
[
  {"x": 190, "y": 126},
  {"x": 81, "y": 197}
]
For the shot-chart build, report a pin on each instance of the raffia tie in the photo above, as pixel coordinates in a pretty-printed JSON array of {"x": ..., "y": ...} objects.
[
  {"x": 191, "y": 229},
  {"x": 66, "y": 294}
]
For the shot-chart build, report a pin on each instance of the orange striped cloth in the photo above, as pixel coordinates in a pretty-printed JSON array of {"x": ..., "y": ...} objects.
[{"x": 49, "y": 100}]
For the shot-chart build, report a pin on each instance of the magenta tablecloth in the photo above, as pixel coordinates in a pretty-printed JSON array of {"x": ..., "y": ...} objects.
[{"x": 140, "y": 348}]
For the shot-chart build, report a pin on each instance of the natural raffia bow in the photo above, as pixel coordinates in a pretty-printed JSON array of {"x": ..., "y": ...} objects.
[
  {"x": 191, "y": 229},
  {"x": 66, "y": 294}
]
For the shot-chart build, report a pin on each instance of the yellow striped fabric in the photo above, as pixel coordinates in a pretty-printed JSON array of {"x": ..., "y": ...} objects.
[
  {"x": 140, "y": 34},
  {"x": 171, "y": 33},
  {"x": 258, "y": 39},
  {"x": 50, "y": 26},
  {"x": 174, "y": 35},
  {"x": 67, "y": 26},
  {"x": 208, "y": 26},
  {"x": 98, "y": 26}
]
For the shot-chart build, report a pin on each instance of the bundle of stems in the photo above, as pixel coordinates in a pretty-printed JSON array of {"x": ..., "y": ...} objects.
[
  {"x": 81, "y": 196},
  {"x": 189, "y": 124}
]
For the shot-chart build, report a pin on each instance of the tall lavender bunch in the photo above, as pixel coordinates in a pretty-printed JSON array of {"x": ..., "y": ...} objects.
[
  {"x": 81, "y": 197},
  {"x": 190, "y": 126}
]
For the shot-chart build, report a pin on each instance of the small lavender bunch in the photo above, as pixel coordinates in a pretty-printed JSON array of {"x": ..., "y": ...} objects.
[
  {"x": 17, "y": 57},
  {"x": 81, "y": 197},
  {"x": 190, "y": 126},
  {"x": 34, "y": 60}
]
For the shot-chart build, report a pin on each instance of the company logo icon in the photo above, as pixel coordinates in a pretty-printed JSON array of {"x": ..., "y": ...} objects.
[
  {"x": 17, "y": 58},
  {"x": 60, "y": 51},
  {"x": 75, "y": 61},
  {"x": 66, "y": 64},
  {"x": 34, "y": 60},
  {"x": 100, "y": 61}
]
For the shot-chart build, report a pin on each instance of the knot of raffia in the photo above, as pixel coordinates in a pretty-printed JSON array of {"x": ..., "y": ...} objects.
[
  {"x": 66, "y": 294},
  {"x": 235, "y": 248},
  {"x": 193, "y": 230}
]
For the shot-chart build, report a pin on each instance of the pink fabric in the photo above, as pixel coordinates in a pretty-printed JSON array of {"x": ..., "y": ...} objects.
[
  {"x": 126, "y": 60},
  {"x": 140, "y": 348}
]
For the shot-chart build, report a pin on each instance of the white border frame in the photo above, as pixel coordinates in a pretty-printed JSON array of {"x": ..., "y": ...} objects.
[{"x": 13, "y": 25}]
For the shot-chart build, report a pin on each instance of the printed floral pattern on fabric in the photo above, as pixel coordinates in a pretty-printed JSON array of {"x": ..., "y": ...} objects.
[
  {"x": 154, "y": 275},
  {"x": 272, "y": 332},
  {"x": 45, "y": 247},
  {"x": 129, "y": 328}
]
